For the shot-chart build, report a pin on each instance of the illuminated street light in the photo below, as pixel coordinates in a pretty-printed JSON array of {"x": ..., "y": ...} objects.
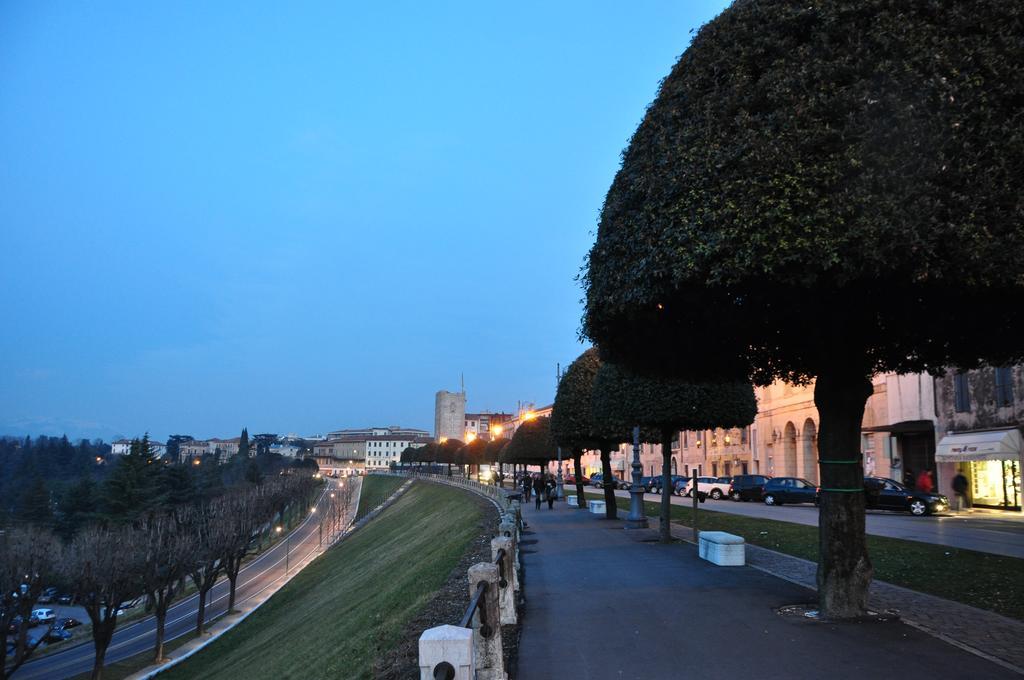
[
  {"x": 496, "y": 430},
  {"x": 529, "y": 415},
  {"x": 196, "y": 461},
  {"x": 277, "y": 529},
  {"x": 470, "y": 436}
]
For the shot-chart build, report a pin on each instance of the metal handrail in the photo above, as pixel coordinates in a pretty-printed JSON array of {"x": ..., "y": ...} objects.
[
  {"x": 500, "y": 561},
  {"x": 477, "y": 604}
]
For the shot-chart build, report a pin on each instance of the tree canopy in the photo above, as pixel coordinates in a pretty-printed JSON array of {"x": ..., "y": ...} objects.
[
  {"x": 472, "y": 453},
  {"x": 531, "y": 444},
  {"x": 574, "y": 423},
  {"x": 492, "y": 454},
  {"x": 670, "y": 404},
  {"x": 818, "y": 179}
]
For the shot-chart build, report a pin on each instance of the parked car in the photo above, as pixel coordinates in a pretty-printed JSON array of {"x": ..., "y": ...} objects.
[
  {"x": 47, "y": 596},
  {"x": 779, "y": 490},
  {"x": 716, "y": 487},
  {"x": 748, "y": 487},
  {"x": 56, "y": 635},
  {"x": 597, "y": 481},
  {"x": 68, "y": 622},
  {"x": 888, "y": 494},
  {"x": 648, "y": 483},
  {"x": 44, "y": 616},
  {"x": 675, "y": 480},
  {"x": 571, "y": 479},
  {"x": 66, "y": 599}
]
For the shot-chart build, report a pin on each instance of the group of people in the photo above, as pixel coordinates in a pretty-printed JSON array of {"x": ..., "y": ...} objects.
[
  {"x": 541, "y": 486},
  {"x": 925, "y": 483}
]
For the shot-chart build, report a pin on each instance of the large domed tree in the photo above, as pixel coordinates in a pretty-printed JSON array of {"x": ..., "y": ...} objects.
[
  {"x": 668, "y": 405},
  {"x": 531, "y": 444},
  {"x": 822, "y": 191},
  {"x": 472, "y": 453},
  {"x": 575, "y": 428},
  {"x": 492, "y": 456}
]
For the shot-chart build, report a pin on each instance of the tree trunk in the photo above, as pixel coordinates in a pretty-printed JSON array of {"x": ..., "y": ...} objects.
[
  {"x": 201, "y": 616},
  {"x": 161, "y": 620},
  {"x": 666, "y": 486},
  {"x": 610, "y": 511},
  {"x": 577, "y": 466},
  {"x": 232, "y": 579},
  {"x": 844, "y": 568},
  {"x": 102, "y": 632}
]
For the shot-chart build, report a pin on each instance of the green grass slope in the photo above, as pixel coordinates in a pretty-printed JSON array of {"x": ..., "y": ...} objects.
[
  {"x": 339, "y": 613},
  {"x": 376, "y": 490}
]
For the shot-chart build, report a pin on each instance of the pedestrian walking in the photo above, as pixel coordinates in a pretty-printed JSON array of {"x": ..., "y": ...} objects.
[
  {"x": 527, "y": 488},
  {"x": 960, "y": 492},
  {"x": 924, "y": 482},
  {"x": 550, "y": 489},
  {"x": 538, "y": 490},
  {"x": 908, "y": 478}
]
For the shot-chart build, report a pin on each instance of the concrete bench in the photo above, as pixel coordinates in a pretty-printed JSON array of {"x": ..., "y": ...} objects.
[
  {"x": 721, "y": 548},
  {"x": 571, "y": 501},
  {"x": 596, "y": 507}
]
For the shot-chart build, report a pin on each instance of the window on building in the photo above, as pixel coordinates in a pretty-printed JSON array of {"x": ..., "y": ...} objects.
[
  {"x": 961, "y": 395},
  {"x": 1004, "y": 386}
]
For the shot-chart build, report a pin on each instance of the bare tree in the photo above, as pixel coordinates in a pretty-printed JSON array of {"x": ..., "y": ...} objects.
[
  {"x": 27, "y": 562},
  {"x": 169, "y": 547},
  {"x": 212, "y": 527},
  {"x": 102, "y": 564},
  {"x": 246, "y": 514}
]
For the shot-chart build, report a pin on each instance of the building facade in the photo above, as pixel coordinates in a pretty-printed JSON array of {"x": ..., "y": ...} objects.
[
  {"x": 980, "y": 420},
  {"x": 485, "y": 424},
  {"x": 449, "y": 415}
]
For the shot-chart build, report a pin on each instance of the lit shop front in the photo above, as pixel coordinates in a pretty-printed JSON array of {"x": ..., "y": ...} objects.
[{"x": 991, "y": 460}]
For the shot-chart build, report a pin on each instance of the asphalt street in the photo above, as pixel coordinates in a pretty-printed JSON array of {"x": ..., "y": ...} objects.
[
  {"x": 993, "y": 532},
  {"x": 139, "y": 636}
]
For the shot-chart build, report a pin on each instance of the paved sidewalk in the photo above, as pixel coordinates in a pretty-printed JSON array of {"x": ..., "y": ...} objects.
[{"x": 602, "y": 604}]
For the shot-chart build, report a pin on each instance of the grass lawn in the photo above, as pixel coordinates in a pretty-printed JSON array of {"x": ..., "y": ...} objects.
[
  {"x": 338, "y": 614},
  {"x": 975, "y": 578},
  {"x": 376, "y": 490}
]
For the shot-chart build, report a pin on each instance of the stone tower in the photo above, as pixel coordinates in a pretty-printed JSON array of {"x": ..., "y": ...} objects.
[{"x": 449, "y": 415}]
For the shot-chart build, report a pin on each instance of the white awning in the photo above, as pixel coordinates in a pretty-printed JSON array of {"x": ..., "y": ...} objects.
[{"x": 991, "y": 445}]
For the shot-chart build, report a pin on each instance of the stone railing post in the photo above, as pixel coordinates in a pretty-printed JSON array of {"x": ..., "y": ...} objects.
[
  {"x": 447, "y": 648},
  {"x": 488, "y": 657},
  {"x": 506, "y": 583}
]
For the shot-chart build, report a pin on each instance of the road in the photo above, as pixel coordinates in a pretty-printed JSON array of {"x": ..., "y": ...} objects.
[
  {"x": 991, "y": 532},
  {"x": 139, "y": 636}
]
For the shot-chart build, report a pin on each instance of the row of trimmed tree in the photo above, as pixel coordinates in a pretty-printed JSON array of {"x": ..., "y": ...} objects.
[{"x": 107, "y": 565}]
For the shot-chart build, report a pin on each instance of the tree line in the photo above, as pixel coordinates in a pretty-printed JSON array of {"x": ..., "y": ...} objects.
[{"x": 145, "y": 531}]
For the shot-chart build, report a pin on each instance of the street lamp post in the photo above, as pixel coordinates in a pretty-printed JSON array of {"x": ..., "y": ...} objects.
[{"x": 637, "y": 518}]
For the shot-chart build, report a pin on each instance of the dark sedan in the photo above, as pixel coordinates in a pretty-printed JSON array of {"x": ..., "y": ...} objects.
[
  {"x": 888, "y": 494},
  {"x": 779, "y": 490},
  {"x": 748, "y": 487}
]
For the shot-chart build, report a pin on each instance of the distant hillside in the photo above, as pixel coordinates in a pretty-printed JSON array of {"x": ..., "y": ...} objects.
[{"x": 55, "y": 427}]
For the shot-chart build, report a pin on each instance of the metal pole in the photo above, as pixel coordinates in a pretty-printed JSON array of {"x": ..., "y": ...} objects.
[
  {"x": 637, "y": 518},
  {"x": 559, "y": 491},
  {"x": 696, "y": 491}
]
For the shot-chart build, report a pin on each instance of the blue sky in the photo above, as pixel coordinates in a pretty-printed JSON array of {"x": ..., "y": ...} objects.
[{"x": 302, "y": 216}]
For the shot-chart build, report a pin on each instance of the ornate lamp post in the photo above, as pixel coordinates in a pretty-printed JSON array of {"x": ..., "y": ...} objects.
[{"x": 637, "y": 519}]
